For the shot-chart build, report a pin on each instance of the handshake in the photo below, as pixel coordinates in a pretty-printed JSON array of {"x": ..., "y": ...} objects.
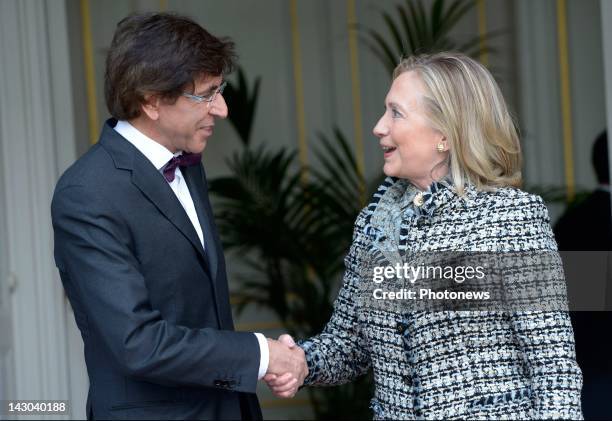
[{"x": 287, "y": 367}]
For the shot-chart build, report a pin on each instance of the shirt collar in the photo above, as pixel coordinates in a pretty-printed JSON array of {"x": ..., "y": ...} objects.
[{"x": 155, "y": 152}]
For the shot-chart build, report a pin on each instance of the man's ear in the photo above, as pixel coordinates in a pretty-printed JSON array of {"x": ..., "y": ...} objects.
[{"x": 150, "y": 106}]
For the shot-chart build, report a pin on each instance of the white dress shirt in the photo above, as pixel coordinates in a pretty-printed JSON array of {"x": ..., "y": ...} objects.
[{"x": 159, "y": 157}]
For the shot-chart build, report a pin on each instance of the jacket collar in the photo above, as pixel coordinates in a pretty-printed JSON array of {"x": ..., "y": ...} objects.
[
  {"x": 155, "y": 152},
  {"x": 148, "y": 180},
  {"x": 120, "y": 150},
  {"x": 402, "y": 198},
  {"x": 393, "y": 207}
]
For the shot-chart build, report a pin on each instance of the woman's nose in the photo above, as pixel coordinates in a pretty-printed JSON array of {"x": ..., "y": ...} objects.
[{"x": 381, "y": 129}]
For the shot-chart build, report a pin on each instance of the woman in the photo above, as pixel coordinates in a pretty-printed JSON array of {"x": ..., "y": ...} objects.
[{"x": 452, "y": 157}]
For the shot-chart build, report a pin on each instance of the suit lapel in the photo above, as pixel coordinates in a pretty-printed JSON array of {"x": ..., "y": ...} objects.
[
  {"x": 155, "y": 187},
  {"x": 150, "y": 182},
  {"x": 195, "y": 182}
]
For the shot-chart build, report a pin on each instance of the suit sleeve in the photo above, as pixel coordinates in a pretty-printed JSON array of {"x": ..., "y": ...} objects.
[
  {"x": 101, "y": 275},
  {"x": 546, "y": 338},
  {"x": 339, "y": 354}
]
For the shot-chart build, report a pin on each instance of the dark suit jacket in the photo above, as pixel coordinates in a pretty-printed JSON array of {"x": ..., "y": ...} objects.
[
  {"x": 152, "y": 306},
  {"x": 588, "y": 227}
]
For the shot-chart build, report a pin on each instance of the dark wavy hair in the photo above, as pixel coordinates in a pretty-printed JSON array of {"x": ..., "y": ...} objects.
[{"x": 160, "y": 53}]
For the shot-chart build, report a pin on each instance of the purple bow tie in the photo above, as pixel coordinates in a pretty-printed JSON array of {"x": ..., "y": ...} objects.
[{"x": 184, "y": 160}]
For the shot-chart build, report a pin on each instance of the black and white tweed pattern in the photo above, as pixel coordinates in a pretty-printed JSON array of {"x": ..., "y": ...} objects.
[{"x": 450, "y": 365}]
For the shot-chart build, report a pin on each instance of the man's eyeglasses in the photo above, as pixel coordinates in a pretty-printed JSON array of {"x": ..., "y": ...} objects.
[{"x": 206, "y": 98}]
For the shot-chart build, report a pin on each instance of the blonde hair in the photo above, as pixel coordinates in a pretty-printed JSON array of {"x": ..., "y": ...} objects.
[{"x": 465, "y": 104}]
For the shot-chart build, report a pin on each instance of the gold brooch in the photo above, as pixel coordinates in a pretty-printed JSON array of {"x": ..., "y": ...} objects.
[{"x": 418, "y": 199}]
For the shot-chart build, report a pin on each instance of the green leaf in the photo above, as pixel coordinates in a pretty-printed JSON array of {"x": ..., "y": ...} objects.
[
  {"x": 419, "y": 29},
  {"x": 422, "y": 18},
  {"x": 387, "y": 51},
  {"x": 394, "y": 32},
  {"x": 243, "y": 104},
  {"x": 453, "y": 15},
  {"x": 436, "y": 15},
  {"x": 408, "y": 30}
]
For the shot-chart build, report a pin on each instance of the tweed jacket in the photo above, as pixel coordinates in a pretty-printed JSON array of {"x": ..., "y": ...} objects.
[{"x": 450, "y": 364}]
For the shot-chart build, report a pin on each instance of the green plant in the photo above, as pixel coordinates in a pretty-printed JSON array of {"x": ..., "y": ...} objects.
[
  {"x": 242, "y": 101},
  {"x": 292, "y": 234},
  {"x": 418, "y": 31}
]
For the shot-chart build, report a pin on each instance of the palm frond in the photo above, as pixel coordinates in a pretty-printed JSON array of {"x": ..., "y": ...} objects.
[
  {"x": 242, "y": 101},
  {"x": 419, "y": 30},
  {"x": 399, "y": 42},
  {"x": 380, "y": 48},
  {"x": 455, "y": 12},
  {"x": 436, "y": 13},
  {"x": 408, "y": 30}
]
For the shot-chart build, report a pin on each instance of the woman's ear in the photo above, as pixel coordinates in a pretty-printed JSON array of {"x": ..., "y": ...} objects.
[
  {"x": 442, "y": 145},
  {"x": 445, "y": 142}
]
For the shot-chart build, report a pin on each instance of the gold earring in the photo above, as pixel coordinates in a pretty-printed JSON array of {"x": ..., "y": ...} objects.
[{"x": 440, "y": 147}]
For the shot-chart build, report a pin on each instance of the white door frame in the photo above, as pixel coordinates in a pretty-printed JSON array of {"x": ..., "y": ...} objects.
[{"x": 36, "y": 144}]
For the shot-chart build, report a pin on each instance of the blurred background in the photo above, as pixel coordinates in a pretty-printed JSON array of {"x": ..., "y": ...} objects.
[{"x": 296, "y": 160}]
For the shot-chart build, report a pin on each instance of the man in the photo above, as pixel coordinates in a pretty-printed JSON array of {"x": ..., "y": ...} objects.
[
  {"x": 587, "y": 226},
  {"x": 136, "y": 244}
]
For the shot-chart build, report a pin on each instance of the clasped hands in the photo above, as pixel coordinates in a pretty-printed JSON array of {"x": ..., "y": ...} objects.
[{"x": 287, "y": 367}]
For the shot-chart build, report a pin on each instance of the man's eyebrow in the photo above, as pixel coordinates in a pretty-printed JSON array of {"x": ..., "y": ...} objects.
[{"x": 210, "y": 89}]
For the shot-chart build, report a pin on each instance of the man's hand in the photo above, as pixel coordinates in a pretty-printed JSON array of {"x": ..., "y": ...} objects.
[{"x": 287, "y": 368}]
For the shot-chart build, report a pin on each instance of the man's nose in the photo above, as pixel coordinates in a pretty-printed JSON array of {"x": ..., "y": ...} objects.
[{"x": 218, "y": 107}]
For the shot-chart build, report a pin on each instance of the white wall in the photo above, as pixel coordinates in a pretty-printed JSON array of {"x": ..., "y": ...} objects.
[
  {"x": 587, "y": 84},
  {"x": 7, "y": 374},
  {"x": 540, "y": 115}
]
